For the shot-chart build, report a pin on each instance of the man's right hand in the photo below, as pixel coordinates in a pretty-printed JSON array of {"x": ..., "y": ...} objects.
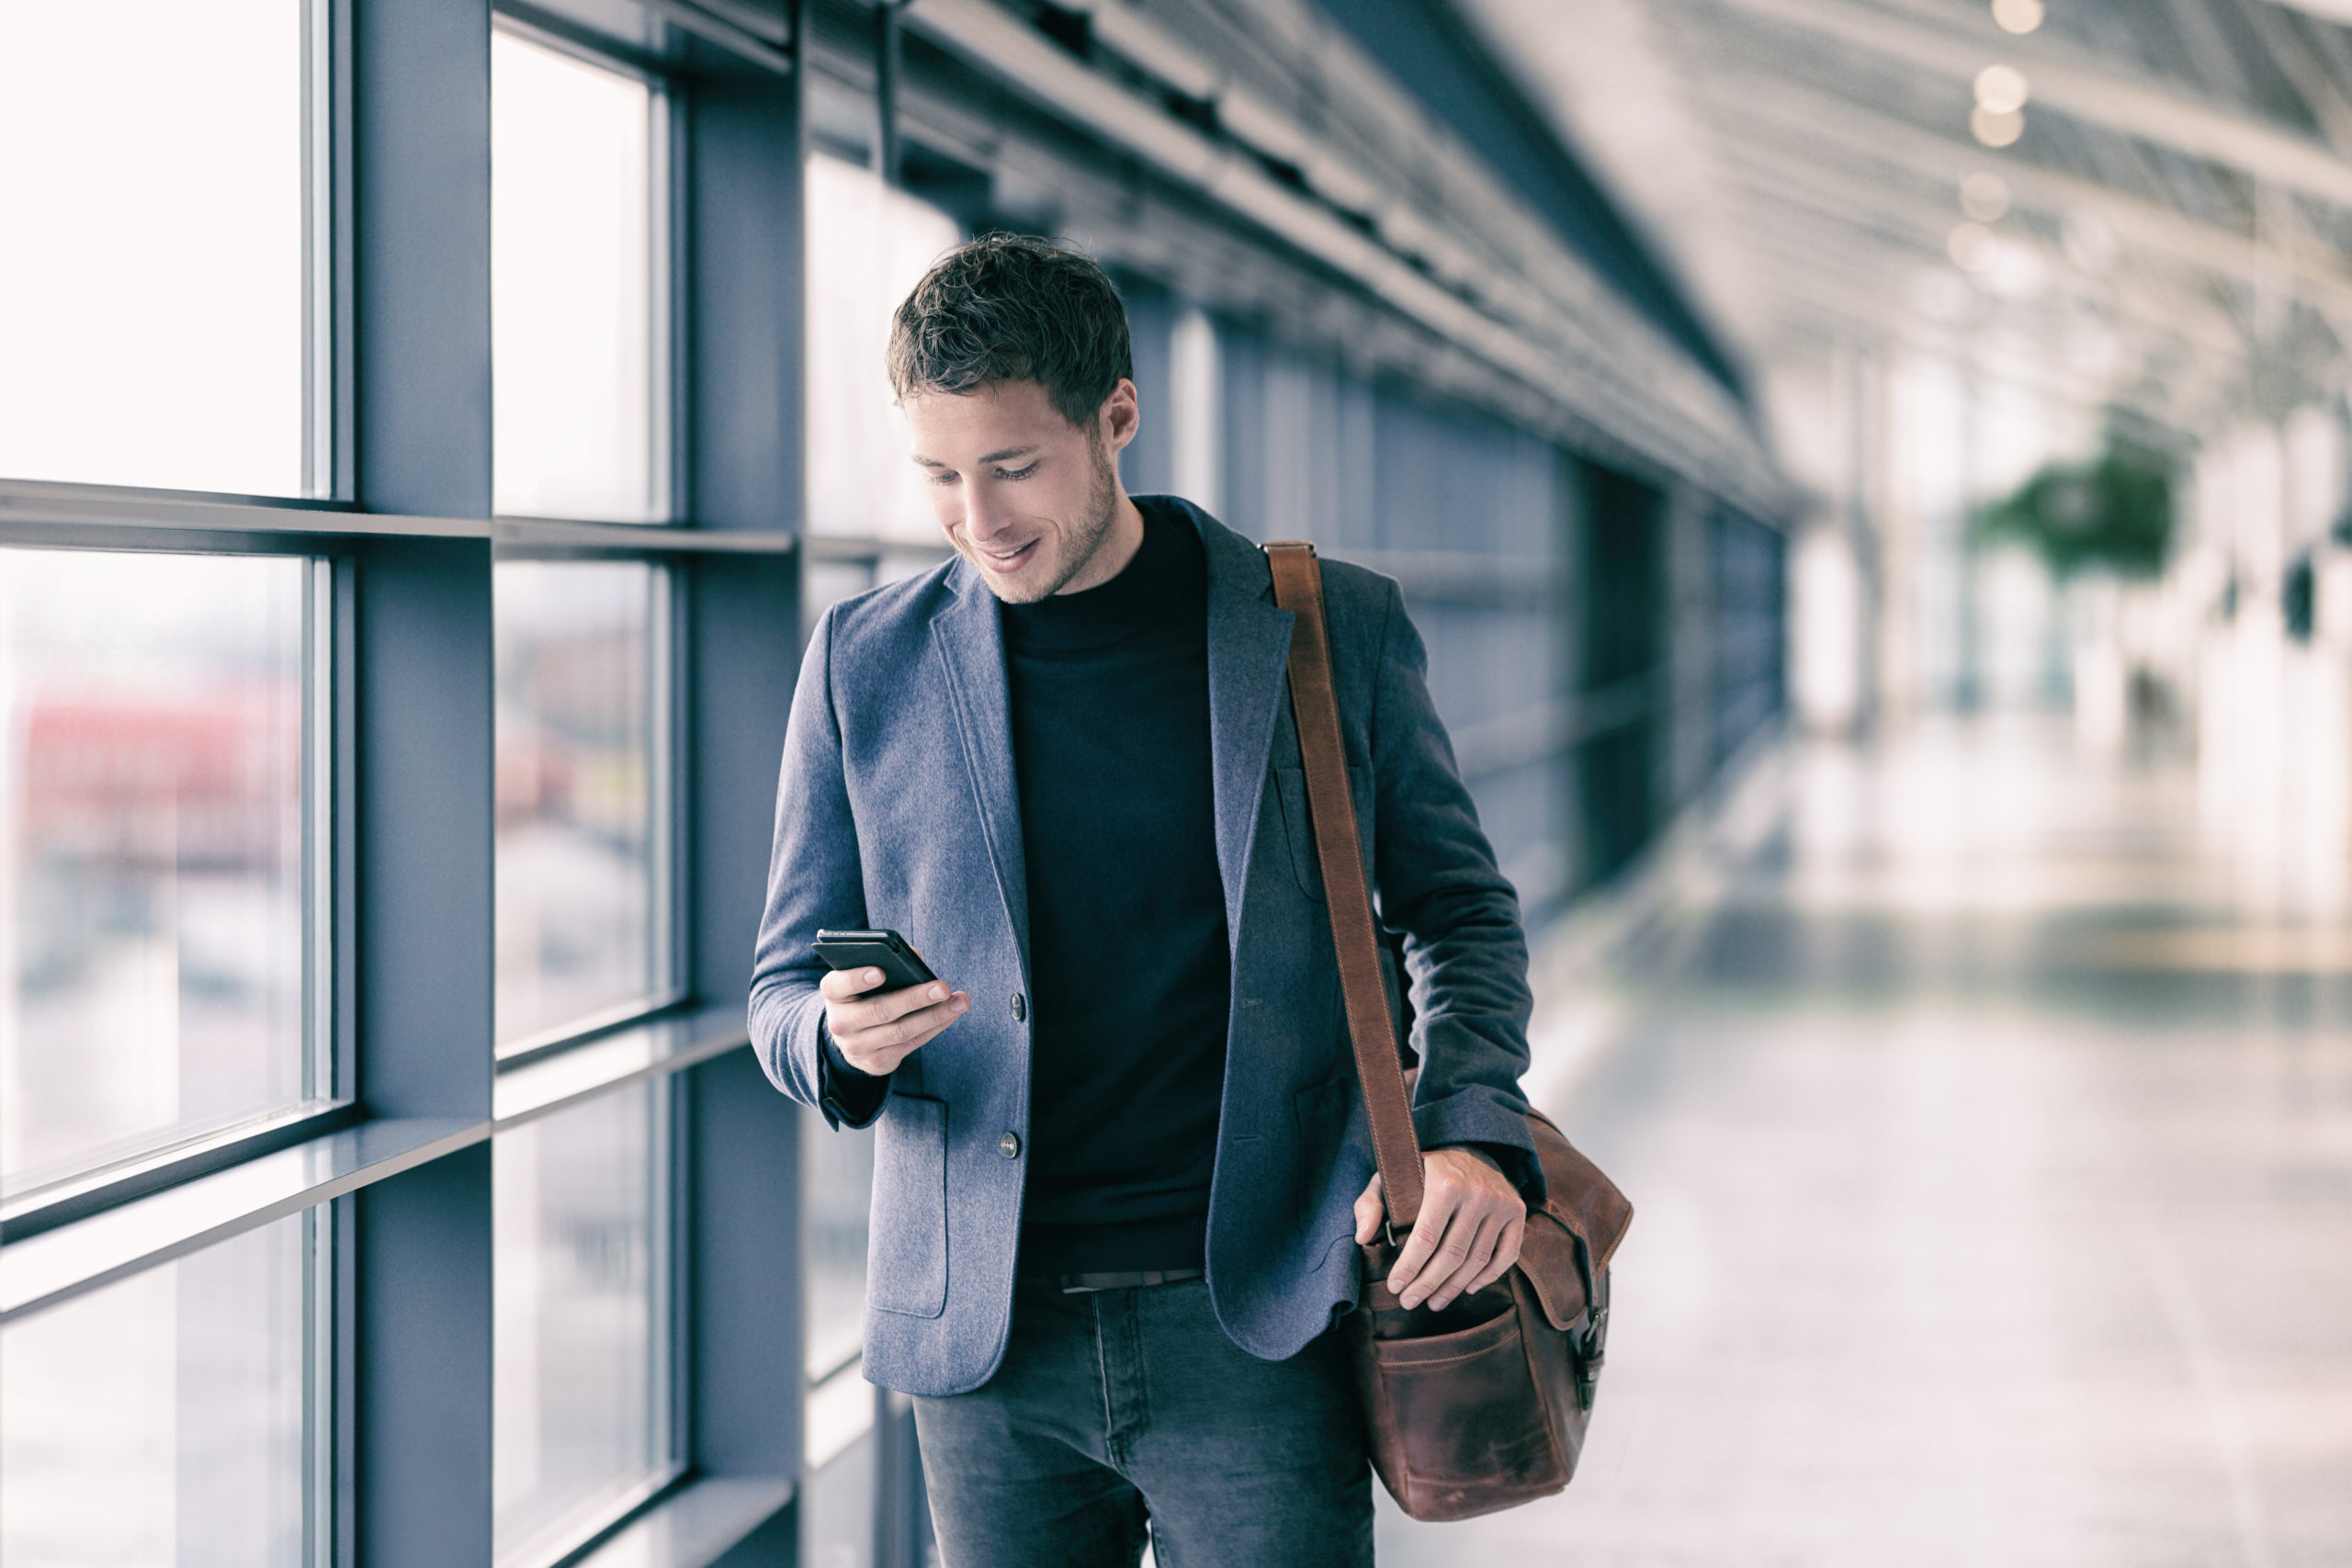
[{"x": 878, "y": 1030}]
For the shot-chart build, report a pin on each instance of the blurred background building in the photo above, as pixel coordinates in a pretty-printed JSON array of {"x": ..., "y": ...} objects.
[{"x": 1871, "y": 475}]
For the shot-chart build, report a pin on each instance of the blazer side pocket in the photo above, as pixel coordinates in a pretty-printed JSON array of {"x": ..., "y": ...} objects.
[
  {"x": 1290, "y": 788},
  {"x": 906, "y": 1268}
]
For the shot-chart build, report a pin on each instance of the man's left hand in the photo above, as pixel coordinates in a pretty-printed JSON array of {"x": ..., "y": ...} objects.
[{"x": 1467, "y": 1237}]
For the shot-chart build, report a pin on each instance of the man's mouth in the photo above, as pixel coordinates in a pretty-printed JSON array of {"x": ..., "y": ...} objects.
[{"x": 1005, "y": 561}]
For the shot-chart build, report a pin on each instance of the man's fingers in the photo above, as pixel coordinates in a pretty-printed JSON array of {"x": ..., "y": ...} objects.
[
  {"x": 1471, "y": 1225},
  {"x": 875, "y": 1010},
  {"x": 841, "y": 985},
  {"x": 1480, "y": 1251},
  {"x": 881, "y": 1047},
  {"x": 1506, "y": 1253},
  {"x": 1429, "y": 1234},
  {"x": 1453, "y": 1254},
  {"x": 1371, "y": 1209}
]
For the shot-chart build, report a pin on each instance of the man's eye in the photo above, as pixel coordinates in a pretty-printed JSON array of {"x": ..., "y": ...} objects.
[
  {"x": 948, "y": 477},
  {"x": 1018, "y": 473}
]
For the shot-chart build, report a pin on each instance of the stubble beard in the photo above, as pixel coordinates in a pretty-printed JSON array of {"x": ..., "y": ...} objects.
[{"x": 1082, "y": 541}]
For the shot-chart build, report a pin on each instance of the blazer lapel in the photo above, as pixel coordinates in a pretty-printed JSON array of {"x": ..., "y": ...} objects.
[
  {"x": 970, "y": 640},
  {"x": 1248, "y": 660}
]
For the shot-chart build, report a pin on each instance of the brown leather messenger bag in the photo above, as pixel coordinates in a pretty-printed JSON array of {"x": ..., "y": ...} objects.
[{"x": 1483, "y": 1406}]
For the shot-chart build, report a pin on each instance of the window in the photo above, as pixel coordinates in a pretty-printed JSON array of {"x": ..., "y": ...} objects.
[
  {"x": 175, "y": 1418},
  {"x": 156, "y": 314},
  {"x": 868, "y": 246},
  {"x": 578, "y": 329},
  {"x": 582, "y": 1396},
  {"x": 836, "y": 1187},
  {"x": 156, "y": 781},
  {"x": 582, "y": 771}
]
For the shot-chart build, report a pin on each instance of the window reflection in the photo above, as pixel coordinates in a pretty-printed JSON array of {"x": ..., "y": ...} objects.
[
  {"x": 868, "y": 245},
  {"x": 166, "y": 1421},
  {"x": 151, "y": 290},
  {"x": 575, "y": 322},
  {"x": 152, "y": 895},
  {"x": 837, "y": 1190},
  {"x": 581, "y": 1389},
  {"x": 579, "y": 867}
]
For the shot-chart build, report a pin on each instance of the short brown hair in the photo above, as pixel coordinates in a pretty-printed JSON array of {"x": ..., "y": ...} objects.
[{"x": 1010, "y": 308}]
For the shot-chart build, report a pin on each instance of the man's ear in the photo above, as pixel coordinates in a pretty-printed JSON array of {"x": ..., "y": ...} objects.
[{"x": 1120, "y": 416}]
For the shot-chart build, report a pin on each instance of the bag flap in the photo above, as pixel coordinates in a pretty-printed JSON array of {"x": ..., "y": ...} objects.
[{"x": 1582, "y": 1210}]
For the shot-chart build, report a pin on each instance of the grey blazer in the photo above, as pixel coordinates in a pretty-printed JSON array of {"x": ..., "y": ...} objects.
[{"x": 897, "y": 809}]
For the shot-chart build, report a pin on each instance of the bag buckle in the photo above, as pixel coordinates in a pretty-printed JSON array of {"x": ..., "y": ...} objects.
[{"x": 1591, "y": 1351}]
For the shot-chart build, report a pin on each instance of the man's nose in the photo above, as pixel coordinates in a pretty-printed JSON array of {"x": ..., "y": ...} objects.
[{"x": 983, "y": 519}]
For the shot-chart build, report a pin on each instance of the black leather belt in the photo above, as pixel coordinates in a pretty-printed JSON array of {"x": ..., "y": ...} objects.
[{"x": 1075, "y": 1284}]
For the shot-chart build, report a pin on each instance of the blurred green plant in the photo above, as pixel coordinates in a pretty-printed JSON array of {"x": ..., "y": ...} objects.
[{"x": 2113, "y": 512}]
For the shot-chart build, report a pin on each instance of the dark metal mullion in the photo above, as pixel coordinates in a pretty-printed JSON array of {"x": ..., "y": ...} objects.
[
  {"x": 890, "y": 65},
  {"x": 421, "y": 1277},
  {"x": 740, "y": 1308},
  {"x": 670, "y": 738}
]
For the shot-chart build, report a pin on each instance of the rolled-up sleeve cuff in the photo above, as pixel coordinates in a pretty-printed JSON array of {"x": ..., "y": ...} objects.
[
  {"x": 849, "y": 1097},
  {"x": 1482, "y": 1117}
]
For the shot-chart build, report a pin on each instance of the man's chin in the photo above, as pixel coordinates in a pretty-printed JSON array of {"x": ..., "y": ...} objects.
[{"x": 1029, "y": 582}]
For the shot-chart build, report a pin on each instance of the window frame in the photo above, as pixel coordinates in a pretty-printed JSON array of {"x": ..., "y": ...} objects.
[{"x": 393, "y": 1174}]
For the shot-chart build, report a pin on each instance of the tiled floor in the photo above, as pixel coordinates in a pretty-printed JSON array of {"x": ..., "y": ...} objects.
[{"x": 1988, "y": 1118}]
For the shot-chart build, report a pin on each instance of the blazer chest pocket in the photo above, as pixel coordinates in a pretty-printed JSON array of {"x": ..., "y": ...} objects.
[
  {"x": 906, "y": 1270},
  {"x": 1290, "y": 787}
]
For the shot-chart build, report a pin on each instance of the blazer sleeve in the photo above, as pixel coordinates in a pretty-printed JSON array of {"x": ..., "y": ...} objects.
[
  {"x": 815, "y": 883},
  {"x": 1465, "y": 954}
]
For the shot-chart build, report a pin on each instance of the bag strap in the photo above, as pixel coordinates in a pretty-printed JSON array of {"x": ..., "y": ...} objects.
[{"x": 1315, "y": 706}]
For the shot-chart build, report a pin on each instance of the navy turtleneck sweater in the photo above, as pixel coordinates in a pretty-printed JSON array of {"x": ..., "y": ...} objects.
[{"x": 1129, "y": 968}]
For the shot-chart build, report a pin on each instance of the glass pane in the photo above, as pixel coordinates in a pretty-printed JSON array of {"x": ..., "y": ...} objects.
[
  {"x": 578, "y": 867},
  {"x": 837, "y": 1188},
  {"x": 580, "y": 1390},
  {"x": 164, "y": 1422},
  {"x": 575, "y": 323},
  {"x": 868, "y": 245},
  {"x": 150, "y": 865},
  {"x": 151, "y": 288}
]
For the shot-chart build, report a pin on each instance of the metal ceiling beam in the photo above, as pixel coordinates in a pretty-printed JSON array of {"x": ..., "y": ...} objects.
[
  {"x": 1839, "y": 318},
  {"x": 1806, "y": 120},
  {"x": 2338, "y": 11},
  {"x": 1835, "y": 194},
  {"x": 1802, "y": 238},
  {"x": 2195, "y": 326},
  {"x": 1602, "y": 363},
  {"x": 2076, "y": 83}
]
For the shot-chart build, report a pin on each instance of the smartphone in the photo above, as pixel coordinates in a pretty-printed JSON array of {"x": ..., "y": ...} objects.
[{"x": 900, "y": 964}]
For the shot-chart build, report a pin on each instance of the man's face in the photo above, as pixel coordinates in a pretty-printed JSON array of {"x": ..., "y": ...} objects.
[{"x": 1024, "y": 495}]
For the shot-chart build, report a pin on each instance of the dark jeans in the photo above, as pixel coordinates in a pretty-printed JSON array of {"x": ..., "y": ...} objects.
[{"x": 1119, "y": 1406}]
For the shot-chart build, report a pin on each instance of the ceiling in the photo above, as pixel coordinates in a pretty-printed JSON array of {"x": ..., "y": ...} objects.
[{"x": 2165, "y": 234}]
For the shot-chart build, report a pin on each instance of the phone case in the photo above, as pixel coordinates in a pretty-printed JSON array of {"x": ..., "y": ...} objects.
[{"x": 900, "y": 964}]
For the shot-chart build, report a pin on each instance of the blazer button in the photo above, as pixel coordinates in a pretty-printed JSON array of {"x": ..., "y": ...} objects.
[
  {"x": 1010, "y": 1145},
  {"x": 1020, "y": 1015}
]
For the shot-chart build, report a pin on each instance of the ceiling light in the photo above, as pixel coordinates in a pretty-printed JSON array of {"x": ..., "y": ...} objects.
[
  {"x": 1996, "y": 129},
  {"x": 2000, "y": 89},
  {"x": 1984, "y": 195},
  {"x": 2018, "y": 16},
  {"x": 1971, "y": 247}
]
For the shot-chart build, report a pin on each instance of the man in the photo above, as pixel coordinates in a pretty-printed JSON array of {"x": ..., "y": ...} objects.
[{"x": 1121, "y": 1164}]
